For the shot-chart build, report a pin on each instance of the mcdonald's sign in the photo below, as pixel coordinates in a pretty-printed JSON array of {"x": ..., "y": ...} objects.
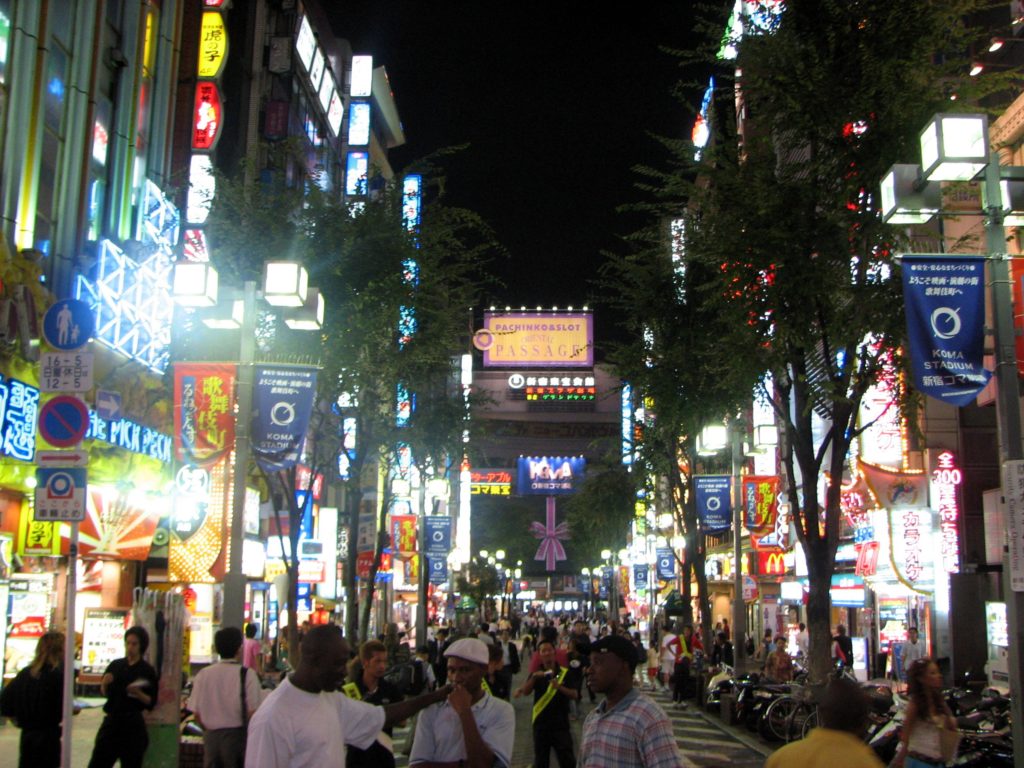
[{"x": 771, "y": 563}]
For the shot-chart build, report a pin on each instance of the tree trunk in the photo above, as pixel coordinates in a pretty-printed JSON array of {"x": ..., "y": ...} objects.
[
  {"x": 819, "y": 625},
  {"x": 353, "y": 499}
]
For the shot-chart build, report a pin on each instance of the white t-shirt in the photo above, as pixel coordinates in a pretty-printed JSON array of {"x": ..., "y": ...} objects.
[
  {"x": 217, "y": 695},
  {"x": 297, "y": 729}
]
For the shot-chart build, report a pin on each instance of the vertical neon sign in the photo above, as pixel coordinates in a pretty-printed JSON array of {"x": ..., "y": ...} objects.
[{"x": 945, "y": 480}]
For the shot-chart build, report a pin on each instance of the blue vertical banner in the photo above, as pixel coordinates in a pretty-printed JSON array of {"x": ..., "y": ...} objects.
[
  {"x": 438, "y": 570},
  {"x": 282, "y": 404},
  {"x": 606, "y": 583},
  {"x": 714, "y": 502},
  {"x": 666, "y": 563},
  {"x": 640, "y": 574},
  {"x": 945, "y": 305},
  {"x": 438, "y": 535}
]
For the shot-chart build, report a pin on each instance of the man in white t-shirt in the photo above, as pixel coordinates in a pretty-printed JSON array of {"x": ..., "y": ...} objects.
[
  {"x": 306, "y": 718},
  {"x": 671, "y": 649}
]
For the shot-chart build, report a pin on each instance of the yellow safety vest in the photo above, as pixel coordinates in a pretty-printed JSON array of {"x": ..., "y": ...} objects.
[
  {"x": 549, "y": 694},
  {"x": 486, "y": 687}
]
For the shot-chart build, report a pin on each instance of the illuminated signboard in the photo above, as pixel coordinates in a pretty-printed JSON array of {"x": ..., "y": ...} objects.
[
  {"x": 412, "y": 200},
  {"x": 549, "y": 475},
  {"x": 19, "y": 415},
  {"x": 132, "y": 302},
  {"x": 195, "y": 247},
  {"x": 335, "y": 113},
  {"x": 357, "y": 168},
  {"x": 305, "y": 43},
  {"x": 206, "y": 116},
  {"x": 490, "y": 482},
  {"x": 702, "y": 126},
  {"x": 200, "y": 190},
  {"x": 522, "y": 339},
  {"x": 626, "y": 416},
  {"x": 213, "y": 45},
  {"x": 362, "y": 77},
  {"x": 882, "y": 440},
  {"x": 359, "y": 124},
  {"x": 100, "y": 142},
  {"x": 945, "y": 479},
  {"x": 326, "y": 91},
  {"x": 316, "y": 69},
  {"x": 133, "y": 437}
]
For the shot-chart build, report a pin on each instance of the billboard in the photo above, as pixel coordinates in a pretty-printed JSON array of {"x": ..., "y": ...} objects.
[
  {"x": 531, "y": 339},
  {"x": 549, "y": 475}
]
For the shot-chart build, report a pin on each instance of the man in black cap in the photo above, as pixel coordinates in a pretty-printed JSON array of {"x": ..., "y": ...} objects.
[{"x": 626, "y": 730}]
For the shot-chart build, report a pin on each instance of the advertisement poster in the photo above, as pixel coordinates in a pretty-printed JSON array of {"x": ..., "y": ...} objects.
[
  {"x": 29, "y": 608},
  {"x": 282, "y": 404},
  {"x": 714, "y": 502},
  {"x": 204, "y": 412},
  {"x": 524, "y": 339},
  {"x": 760, "y": 503},
  {"x": 102, "y": 638},
  {"x": 549, "y": 475}
]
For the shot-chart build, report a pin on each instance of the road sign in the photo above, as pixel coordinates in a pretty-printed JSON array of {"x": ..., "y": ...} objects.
[
  {"x": 62, "y": 458},
  {"x": 63, "y": 421},
  {"x": 65, "y": 371},
  {"x": 60, "y": 494},
  {"x": 108, "y": 405},
  {"x": 68, "y": 325}
]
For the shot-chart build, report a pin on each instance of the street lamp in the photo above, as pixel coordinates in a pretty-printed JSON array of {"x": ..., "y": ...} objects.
[
  {"x": 196, "y": 285},
  {"x": 955, "y": 147}
]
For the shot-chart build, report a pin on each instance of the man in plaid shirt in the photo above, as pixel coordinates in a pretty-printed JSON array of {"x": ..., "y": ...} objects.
[{"x": 626, "y": 729}]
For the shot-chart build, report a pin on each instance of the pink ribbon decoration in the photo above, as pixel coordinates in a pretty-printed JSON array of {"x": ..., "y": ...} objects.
[{"x": 551, "y": 536}]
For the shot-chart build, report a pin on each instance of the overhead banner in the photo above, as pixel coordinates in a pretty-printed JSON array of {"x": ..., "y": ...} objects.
[
  {"x": 945, "y": 305},
  {"x": 438, "y": 536},
  {"x": 666, "y": 563},
  {"x": 403, "y": 533},
  {"x": 549, "y": 475},
  {"x": 640, "y": 573},
  {"x": 760, "y": 503},
  {"x": 282, "y": 404},
  {"x": 519, "y": 340},
  {"x": 204, "y": 412},
  {"x": 714, "y": 502},
  {"x": 551, "y": 534},
  {"x": 895, "y": 490}
]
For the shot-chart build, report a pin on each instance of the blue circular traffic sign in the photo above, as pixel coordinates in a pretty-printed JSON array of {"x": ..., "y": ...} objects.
[
  {"x": 63, "y": 421},
  {"x": 68, "y": 324}
]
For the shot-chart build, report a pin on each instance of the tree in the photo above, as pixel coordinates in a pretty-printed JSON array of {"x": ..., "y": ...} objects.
[{"x": 783, "y": 222}]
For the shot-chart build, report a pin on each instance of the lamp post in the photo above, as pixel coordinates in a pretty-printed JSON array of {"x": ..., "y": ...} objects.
[
  {"x": 195, "y": 285},
  {"x": 955, "y": 147}
]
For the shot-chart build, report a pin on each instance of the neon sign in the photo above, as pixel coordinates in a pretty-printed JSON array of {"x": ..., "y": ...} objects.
[
  {"x": 945, "y": 479},
  {"x": 159, "y": 219},
  {"x": 19, "y": 414},
  {"x": 213, "y": 45},
  {"x": 206, "y": 116},
  {"x": 131, "y": 436},
  {"x": 132, "y": 303}
]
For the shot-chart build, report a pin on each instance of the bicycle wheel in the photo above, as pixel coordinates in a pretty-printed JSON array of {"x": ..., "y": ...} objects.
[
  {"x": 795, "y": 723},
  {"x": 775, "y": 723},
  {"x": 809, "y": 724}
]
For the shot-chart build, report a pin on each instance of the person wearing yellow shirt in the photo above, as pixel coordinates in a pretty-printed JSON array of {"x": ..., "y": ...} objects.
[{"x": 837, "y": 742}]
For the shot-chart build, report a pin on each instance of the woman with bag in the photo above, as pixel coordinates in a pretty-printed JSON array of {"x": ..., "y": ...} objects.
[
  {"x": 34, "y": 699},
  {"x": 929, "y": 736}
]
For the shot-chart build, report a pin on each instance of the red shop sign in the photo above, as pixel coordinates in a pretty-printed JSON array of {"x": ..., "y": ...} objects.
[{"x": 206, "y": 116}]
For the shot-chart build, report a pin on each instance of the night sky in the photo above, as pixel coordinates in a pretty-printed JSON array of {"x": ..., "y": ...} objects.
[{"x": 556, "y": 103}]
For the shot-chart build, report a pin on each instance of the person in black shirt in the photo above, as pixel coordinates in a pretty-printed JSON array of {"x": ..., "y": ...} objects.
[
  {"x": 35, "y": 701},
  {"x": 130, "y": 685},
  {"x": 553, "y": 689},
  {"x": 366, "y": 682}
]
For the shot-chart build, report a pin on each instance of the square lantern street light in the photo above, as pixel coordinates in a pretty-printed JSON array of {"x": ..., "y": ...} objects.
[
  {"x": 955, "y": 147},
  {"x": 195, "y": 285}
]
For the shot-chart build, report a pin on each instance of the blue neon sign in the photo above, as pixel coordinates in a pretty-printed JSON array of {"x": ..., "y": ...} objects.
[
  {"x": 131, "y": 436},
  {"x": 19, "y": 415}
]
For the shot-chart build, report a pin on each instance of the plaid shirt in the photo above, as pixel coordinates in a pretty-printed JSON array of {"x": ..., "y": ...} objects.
[{"x": 635, "y": 733}]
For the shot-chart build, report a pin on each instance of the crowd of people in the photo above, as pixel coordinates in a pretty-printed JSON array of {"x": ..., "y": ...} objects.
[{"x": 456, "y": 688}]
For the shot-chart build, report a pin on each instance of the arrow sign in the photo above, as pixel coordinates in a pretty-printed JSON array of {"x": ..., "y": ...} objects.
[
  {"x": 108, "y": 405},
  {"x": 62, "y": 458}
]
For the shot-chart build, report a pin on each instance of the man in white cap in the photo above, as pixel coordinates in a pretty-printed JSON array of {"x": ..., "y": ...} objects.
[{"x": 472, "y": 728}]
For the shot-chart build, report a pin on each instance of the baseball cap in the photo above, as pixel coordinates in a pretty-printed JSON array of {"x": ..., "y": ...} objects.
[
  {"x": 470, "y": 649},
  {"x": 618, "y": 645}
]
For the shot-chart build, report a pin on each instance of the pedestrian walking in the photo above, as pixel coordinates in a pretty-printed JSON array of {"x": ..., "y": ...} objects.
[
  {"x": 252, "y": 655},
  {"x": 626, "y": 730},
  {"x": 130, "y": 685},
  {"x": 929, "y": 736},
  {"x": 553, "y": 688},
  {"x": 34, "y": 700},
  {"x": 838, "y": 741},
  {"x": 307, "y": 722},
  {"x": 670, "y": 650},
  {"x": 471, "y": 727},
  {"x": 224, "y": 698}
]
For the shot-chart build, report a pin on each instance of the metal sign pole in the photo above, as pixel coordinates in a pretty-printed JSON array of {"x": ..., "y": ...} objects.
[{"x": 69, "y": 648}]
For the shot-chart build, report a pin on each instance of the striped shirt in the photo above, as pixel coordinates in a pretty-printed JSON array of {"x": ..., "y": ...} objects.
[{"x": 636, "y": 732}]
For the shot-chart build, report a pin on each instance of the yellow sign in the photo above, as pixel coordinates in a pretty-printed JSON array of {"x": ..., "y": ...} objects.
[
  {"x": 524, "y": 339},
  {"x": 213, "y": 44}
]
